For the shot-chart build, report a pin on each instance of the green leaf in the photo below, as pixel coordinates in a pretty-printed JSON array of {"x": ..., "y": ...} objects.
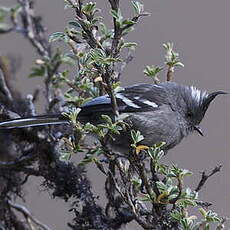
[
  {"x": 128, "y": 22},
  {"x": 58, "y": 36},
  {"x": 107, "y": 119},
  {"x": 3, "y": 12},
  {"x": 65, "y": 156},
  {"x": 75, "y": 24},
  {"x": 152, "y": 71},
  {"x": 128, "y": 30},
  {"x": 111, "y": 60},
  {"x": 117, "y": 15},
  {"x": 155, "y": 152},
  {"x": 15, "y": 8},
  {"x": 131, "y": 45},
  {"x": 175, "y": 214},
  {"x": 63, "y": 75},
  {"x": 186, "y": 172},
  {"x": 136, "y": 136},
  {"x": 89, "y": 127},
  {"x": 4, "y": 28},
  {"x": 38, "y": 72},
  {"x": 203, "y": 212},
  {"x": 68, "y": 60},
  {"x": 178, "y": 172},
  {"x": 138, "y": 7},
  {"x": 72, "y": 115},
  {"x": 171, "y": 57},
  {"x": 136, "y": 182},
  {"x": 87, "y": 160},
  {"x": 161, "y": 186},
  {"x": 97, "y": 54},
  {"x": 179, "y": 64},
  {"x": 186, "y": 203},
  {"x": 102, "y": 27},
  {"x": 147, "y": 197},
  {"x": 88, "y": 8},
  {"x": 68, "y": 4},
  {"x": 212, "y": 216}
]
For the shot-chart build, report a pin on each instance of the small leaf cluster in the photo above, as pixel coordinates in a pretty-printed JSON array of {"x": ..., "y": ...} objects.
[
  {"x": 125, "y": 25},
  {"x": 171, "y": 60},
  {"x": 171, "y": 57},
  {"x": 209, "y": 219},
  {"x": 168, "y": 190},
  {"x": 6, "y": 12},
  {"x": 94, "y": 51},
  {"x": 104, "y": 132},
  {"x": 89, "y": 27},
  {"x": 153, "y": 72},
  {"x": 47, "y": 66},
  {"x": 94, "y": 46}
]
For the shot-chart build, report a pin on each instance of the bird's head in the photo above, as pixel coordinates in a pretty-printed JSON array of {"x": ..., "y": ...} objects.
[{"x": 196, "y": 103}]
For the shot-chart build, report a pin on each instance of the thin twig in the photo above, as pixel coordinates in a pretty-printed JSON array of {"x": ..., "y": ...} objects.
[
  {"x": 141, "y": 170},
  {"x": 221, "y": 224},
  {"x": 154, "y": 177},
  {"x": 18, "y": 162},
  {"x": 4, "y": 88},
  {"x": 117, "y": 30},
  {"x": 28, "y": 215},
  {"x": 126, "y": 197},
  {"x": 180, "y": 188},
  {"x": 205, "y": 177},
  {"x": 124, "y": 63},
  {"x": 170, "y": 73},
  {"x": 203, "y": 204},
  {"x": 31, "y": 32},
  {"x": 34, "y": 31}
]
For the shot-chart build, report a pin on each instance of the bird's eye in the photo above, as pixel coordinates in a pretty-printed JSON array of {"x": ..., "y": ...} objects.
[{"x": 189, "y": 114}]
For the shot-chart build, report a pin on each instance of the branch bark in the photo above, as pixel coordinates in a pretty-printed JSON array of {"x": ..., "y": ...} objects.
[{"x": 205, "y": 177}]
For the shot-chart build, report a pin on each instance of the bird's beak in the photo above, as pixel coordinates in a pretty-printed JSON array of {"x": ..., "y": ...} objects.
[
  {"x": 210, "y": 98},
  {"x": 199, "y": 130}
]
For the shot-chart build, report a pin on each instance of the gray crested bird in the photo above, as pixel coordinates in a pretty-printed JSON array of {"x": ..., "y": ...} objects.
[{"x": 165, "y": 112}]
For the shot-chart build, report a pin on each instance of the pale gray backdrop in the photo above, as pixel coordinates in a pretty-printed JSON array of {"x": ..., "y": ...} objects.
[{"x": 200, "y": 32}]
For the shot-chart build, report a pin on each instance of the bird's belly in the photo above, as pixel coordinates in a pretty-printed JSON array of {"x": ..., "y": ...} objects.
[{"x": 163, "y": 127}]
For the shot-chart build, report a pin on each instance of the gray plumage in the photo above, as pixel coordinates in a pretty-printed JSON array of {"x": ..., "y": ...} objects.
[{"x": 161, "y": 112}]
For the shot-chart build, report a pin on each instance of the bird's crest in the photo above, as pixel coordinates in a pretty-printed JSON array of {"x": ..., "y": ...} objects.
[{"x": 197, "y": 95}]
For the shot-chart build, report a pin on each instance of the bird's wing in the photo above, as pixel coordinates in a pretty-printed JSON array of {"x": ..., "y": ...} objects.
[{"x": 136, "y": 98}]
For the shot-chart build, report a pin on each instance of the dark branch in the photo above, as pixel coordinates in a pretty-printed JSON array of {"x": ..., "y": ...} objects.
[
  {"x": 205, "y": 177},
  {"x": 28, "y": 216},
  {"x": 18, "y": 162},
  {"x": 32, "y": 28}
]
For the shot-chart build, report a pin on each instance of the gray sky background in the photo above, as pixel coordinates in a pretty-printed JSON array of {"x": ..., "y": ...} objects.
[{"x": 200, "y": 32}]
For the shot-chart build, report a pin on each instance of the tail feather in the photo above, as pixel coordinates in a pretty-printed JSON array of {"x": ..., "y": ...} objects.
[{"x": 53, "y": 119}]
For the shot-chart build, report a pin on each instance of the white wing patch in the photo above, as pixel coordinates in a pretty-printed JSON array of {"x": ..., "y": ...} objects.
[
  {"x": 130, "y": 103},
  {"x": 127, "y": 101},
  {"x": 150, "y": 103},
  {"x": 158, "y": 86}
]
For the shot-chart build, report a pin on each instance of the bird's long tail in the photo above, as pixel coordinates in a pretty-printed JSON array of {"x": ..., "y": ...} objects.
[{"x": 34, "y": 121}]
